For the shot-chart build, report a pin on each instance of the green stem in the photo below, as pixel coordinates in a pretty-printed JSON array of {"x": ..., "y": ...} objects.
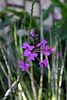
[
  {"x": 15, "y": 37},
  {"x": 30, "y": 25},
  {"x": 21, "y": 49}
]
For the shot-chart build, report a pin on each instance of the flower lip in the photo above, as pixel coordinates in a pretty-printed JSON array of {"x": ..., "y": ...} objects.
[
  {"x": 23, "y": 66},
  {"x": 45, "y": 63},
  {"x": 42, "y": 42},
  {"x": 27, "y": 46}
]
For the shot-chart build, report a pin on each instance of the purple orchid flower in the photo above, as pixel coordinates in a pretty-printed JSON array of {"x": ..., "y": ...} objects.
[
  {"x": 23, "y": 66},
  {"x": 59, "y": 54},
  {"x": 26, "y": 34},
  {"x": 50, "y": 14},
  {"x": 47, "y": 28},
  {"x": 52, "y": 50},
  {"x": 45, "y": 63},
  {"x": 59, "y": 10},
  {"x": 31, "y": 33},
  {"x": 41, "y": 64},
  {"x": 27, "y": 46},
  {"x": 46, "y": 50},
  {"x": 55, "y": 17},
  {"x": 42, "y": 42},
  {"x": 31, "y": 56}
]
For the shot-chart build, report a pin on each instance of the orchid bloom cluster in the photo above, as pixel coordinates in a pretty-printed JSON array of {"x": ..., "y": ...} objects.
[{"x": 31, "y": 52}]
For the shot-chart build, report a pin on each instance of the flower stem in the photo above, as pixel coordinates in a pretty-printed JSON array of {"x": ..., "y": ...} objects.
[{"x": 30, "y": 25}]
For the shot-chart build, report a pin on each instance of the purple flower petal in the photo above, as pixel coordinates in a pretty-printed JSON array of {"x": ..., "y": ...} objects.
[
  {"x": 32, "y": 57},
  {"x": 59, "y": 10},
  {"x": 55, "y": 17},
  {"x": 27, "y": 53},
  {"x": 36, "y": 35},
  {"x": 26, "y": 68},
  {"x": 53, "y": 50},
  {"x": 47, "y": 53},
  {"x": 41, "y": 65},
  {"x": 23, "y": 69},
  {"x": 47, "y": 28},
  {"x": 39, "y": 44},
  {"x": 29, "y": 59},
  {"x": 43, "y": 41},
  {"x": 20, "y": 66},
  {"x": 31, "y": 32},
  {"x": 31, "y": 47},
  {"x": 28, "y": 65},
  {"x": 59, "y": 54},
  {"x": 21, "y": 62},
  {"x": 50, "y": 14},
  {"x": 35, "y": 54},
  {"x": 45, "y": 62},
  {"x": 23, "y": 66},
  {"x": 25, "y": 45},
  {"x": 26, "y": 34}
]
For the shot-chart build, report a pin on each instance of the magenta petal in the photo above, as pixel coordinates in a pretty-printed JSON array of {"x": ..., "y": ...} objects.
[
  {"x": 27, "y": 53},
  {"x": 29, "y": 59},
  {"x": 50, "y": 14},
  {"x": 41, "y": 65},
  {"x": 39, "y": 44},
  {"x": 42, "y": 51},
  {"x": 26, "y": 68},
  {"x": 28, "y": 65},
  {"x": 47, "y": 53},
  {"x": 59, "y": 54},
  {"x": 31, "y": 47},
  {"x": 20, "y": 66},
  {"x": 32, "y": 35},
  {"x": 36, "y": 35},
  {"x": 23, "y": 69},
  {"x": 21, "y": 62},
  {"x": 45, "y": 62},
  {"x": 25, "y": 44},
  {"x": 32, "y": 57},
  {"x": 26, "y": 34},
  {"x": 53, "y": 50},
  {"x": 44, "y": 42},
  {"x": 35, "y": 54},
  {"x": 23, "y": 47},
  {"x": 31, "y": 32},
  {"x": 47, "y": 28}
]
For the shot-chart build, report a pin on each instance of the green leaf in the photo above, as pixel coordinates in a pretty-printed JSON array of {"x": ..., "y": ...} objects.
[
  {"x": 2, "y": 39},
  {"x": 5, "y": 23},
  {"x": 49, "y": 10},
  {"x": 55, "y": 1}
]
